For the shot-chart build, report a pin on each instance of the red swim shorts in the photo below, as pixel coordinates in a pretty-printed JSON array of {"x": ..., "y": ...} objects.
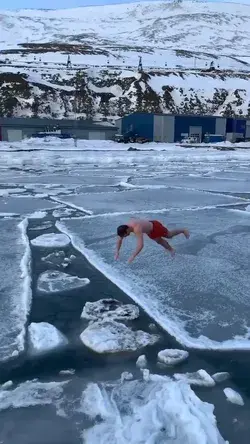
[{"x": 158, "y": 230}]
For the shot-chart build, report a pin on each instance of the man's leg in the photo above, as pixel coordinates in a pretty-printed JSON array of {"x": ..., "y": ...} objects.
[
  {"x": 165, "y": 245},
  {"x": 174, "y": 233}
]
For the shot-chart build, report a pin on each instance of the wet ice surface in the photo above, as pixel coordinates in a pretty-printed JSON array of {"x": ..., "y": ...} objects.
[
  {"x": 15, "y": 294},
  {"x": 147, "y": 200},
  {"x": 200, "y": 297}
]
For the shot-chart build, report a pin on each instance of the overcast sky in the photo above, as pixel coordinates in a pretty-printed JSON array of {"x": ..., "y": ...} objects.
[{"x": 56, "y": 4}]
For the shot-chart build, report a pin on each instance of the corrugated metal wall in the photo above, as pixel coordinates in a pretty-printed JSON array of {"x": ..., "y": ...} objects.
[
  {"x": 140, "y": 123},
  {"x": 164, "y": 128},
  {"x": 183, "y": 124}
]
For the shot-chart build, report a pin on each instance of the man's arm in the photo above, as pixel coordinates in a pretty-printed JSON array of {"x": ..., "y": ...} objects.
[
  {"x": 140, "y": 244},
  {"x": 118, "y": 246}
]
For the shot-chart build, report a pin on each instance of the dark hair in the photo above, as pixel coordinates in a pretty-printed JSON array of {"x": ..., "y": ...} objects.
[{"x": 122, "y": 230}]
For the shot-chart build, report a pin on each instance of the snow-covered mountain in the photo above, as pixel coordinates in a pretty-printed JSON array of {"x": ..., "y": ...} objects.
[{"x": 176, "y": 40}]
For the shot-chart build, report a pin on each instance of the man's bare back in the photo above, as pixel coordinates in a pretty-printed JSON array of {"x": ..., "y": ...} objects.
[
  {"x": 144, "y": 225},
  {"x": 154, "y": 229}
]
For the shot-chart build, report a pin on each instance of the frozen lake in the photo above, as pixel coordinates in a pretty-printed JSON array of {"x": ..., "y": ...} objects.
[{"x": 199, "y": 299}]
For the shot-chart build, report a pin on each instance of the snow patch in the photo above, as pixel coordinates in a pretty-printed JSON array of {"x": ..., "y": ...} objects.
[
  {"x": 109, "y": 309},
  {"x": 172, "y": 356},
  {"x": 113, "y": 337},
  {"x": 51, "y": 240},
  {"x": 57, "y": 282},
  {"x": 44, "y": 337}
]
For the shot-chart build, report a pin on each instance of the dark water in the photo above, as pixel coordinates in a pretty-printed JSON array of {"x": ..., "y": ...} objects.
[{"x": 40, "y": 425}]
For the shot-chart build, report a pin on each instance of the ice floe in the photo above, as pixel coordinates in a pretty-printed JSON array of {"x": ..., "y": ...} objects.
[
  {"x": 70, "y": 371},
  {"x": 63, "y": 212},
  {"x": 15, "y": 279},
  {"x": 172, "y": 356},
  {"x": 44, "y": 338},
  {"x": 199, "y": 378},
  {"x": 59, "y": 258},
  {"x": 38, "y": 215},
  {"x": 57, "y": 282},
  {"x": 221, "y": 376},
  {"x": 51, "y": 240},
  {"x": 112, "y": 337},
  {"x": 31, "y": 393},
  {"x": 126, "y": 376},
  {"x": 142, "y": 362},
  {"x": 154, "y": 412},
  {"x": 233, "y": 396},
  {"x": 109, "y": 309},
  {"x": 45, "y": 226},
  {"x": 6, "y": 385}
]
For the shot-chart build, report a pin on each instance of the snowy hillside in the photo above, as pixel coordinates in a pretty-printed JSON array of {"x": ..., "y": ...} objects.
[{"x": 177, "y": 43}]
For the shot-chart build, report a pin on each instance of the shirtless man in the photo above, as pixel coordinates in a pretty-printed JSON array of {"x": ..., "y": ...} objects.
[{"x": 154, "y": 230}]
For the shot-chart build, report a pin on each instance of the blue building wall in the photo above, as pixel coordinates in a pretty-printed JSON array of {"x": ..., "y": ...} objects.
[
  {"x": 236, "y": 126},
  {"x": 140, "y": 123},
  {"x": 182, "y": 124}
]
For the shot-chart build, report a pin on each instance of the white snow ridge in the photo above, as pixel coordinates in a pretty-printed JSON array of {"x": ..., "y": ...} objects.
[
  {"x": 51, "y": 240},
  {"x": 57, "y": 282},
  {"x": 153, "y": 412},
  {"x": 44, "y": 337},
  {"x": 111, "y": 309},
  {"x": 112, "y": 337},
  {"x": 172, "y": 356}
]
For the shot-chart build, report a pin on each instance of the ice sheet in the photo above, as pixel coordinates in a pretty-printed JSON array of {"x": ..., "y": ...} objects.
[
  {"x": 24, "y": 205},
  {"x": 154, "y": 412},
  {"x": 233, "y": 396},
  {"x": 198, "y": 183},
  {"x": 146, "y": 200},
  {"x": 14, "y": 287},
  {"x": 200, "y": 297},
  {"x": 109, "y": 309}
]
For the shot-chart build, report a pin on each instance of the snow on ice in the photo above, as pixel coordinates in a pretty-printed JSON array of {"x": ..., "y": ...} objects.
[
  {"x": 57, "y": 282},
  {"x": 109, "y": 309},
  {"x": 44, "y": 338},
  {"x": 112, "y": 337}
]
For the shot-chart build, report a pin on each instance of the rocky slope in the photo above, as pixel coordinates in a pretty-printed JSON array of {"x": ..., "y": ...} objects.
[{"x": 194, "y": 60}]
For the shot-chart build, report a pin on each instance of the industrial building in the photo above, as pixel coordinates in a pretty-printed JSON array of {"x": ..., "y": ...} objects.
[
  {"x": 170, "y": 128},
  {"x": 15, "y": 129}
]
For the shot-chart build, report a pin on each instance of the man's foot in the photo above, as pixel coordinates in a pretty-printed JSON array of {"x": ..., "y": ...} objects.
[
  {"x": 172, "y": 252},
  {"x": 186, "y": 234}
]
